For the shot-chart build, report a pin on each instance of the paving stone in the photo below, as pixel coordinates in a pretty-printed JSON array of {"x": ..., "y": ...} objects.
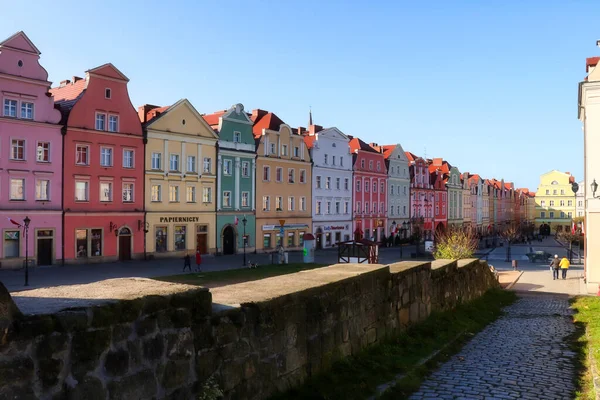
[{"x": 522, "y": 355}]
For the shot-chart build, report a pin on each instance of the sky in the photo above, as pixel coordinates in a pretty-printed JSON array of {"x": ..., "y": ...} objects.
[{"x": 490, "y": 86}]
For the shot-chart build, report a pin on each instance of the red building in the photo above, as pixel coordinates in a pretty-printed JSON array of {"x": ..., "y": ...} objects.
[
  {"x": 370, "y": 185},
  {"x": 422, "y": 197},
  {"x": 103, "y": 168},
  {"x": 439, "y": 170}
]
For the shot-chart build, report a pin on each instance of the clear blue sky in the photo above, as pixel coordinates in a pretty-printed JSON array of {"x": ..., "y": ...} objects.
[{"x": 491, "y": 86}]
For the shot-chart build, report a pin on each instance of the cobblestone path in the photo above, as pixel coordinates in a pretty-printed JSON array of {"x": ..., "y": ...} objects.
[{"x": 522, "y": 355}]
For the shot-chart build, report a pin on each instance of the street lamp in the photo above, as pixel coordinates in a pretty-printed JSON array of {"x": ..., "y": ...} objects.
[
  {"x": 26, "y": 221},
  {"x": 244, "y": 221},
  {"x": 594, "y": 186}
]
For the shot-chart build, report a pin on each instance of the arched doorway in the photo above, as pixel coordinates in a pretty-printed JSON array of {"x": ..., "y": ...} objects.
[
  {"x": 228, "y": 240},
  {"x": 124, "y": 244},
  {"x": 319, "y": 239}
]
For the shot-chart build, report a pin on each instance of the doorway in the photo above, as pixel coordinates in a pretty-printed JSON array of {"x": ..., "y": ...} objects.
[
  {"x": 44, "y": 251},
  {"x": 319, "y": 239},
  {"x": 201, "y": 243},
  {"x": 228, "y": 240},
  {"x": 124, "y": 244}
]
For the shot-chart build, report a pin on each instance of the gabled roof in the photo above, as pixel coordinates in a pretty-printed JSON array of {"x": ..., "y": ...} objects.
[
  {"x": 411, "y": 156},
  {"x": 213, "y": 119},
  {"x": 310, "y": 140},
  {"x": 591, "y": 62},
  {"x": 159, "y": 112},
  {"x": 67, "y": 95},
  {"x": 357, "y": 144},
  {"x": 388, "y": 150},
  {"x": 268, "y": 121},
  {"x": 20, "y": 41},
  {"x": 108, "y": 70}
]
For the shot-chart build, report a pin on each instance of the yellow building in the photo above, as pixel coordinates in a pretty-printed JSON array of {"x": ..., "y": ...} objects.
[
  {"x": 555, "y": 200},
  {"x": 283, "y": 184},
  {"x": 180, "y": 180}
]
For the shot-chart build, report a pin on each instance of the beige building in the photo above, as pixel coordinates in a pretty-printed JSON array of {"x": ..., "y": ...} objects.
[
  {"x": 555, "y": 201},
  {"x": 283, "y": 184},
  {"x": 589, "y": 114},
  {"x": 180, "y": 180}
]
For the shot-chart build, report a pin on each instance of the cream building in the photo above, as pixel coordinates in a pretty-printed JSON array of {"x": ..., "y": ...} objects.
[
  {"x": 555, "y": 200},
  {"x": 180, "y": 180},
  {"x": 589, "y": 114}
]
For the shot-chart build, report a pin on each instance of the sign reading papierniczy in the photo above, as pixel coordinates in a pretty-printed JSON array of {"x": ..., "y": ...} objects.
[{"x": 179, "y": 219}]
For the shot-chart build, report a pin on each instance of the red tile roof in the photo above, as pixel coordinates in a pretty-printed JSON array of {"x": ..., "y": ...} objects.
[
  {"x": 388, "y": 149},
  {"x": 591, "y": 62},
  {"x": 266, "y": 121},
  {"x": 69, "y": 91},
  {"x": 310, "y": 140},
  {"x": 357, "y": 144},
  {"x": 213, "y": 119},
  {"x": 411, "y": 156}
]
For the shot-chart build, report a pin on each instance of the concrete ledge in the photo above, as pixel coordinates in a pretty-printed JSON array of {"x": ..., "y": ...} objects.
[
  {"x": 403, "y": 266},
  {"x": 443, "y": 266},
  {"x": 468, "y": 262}
]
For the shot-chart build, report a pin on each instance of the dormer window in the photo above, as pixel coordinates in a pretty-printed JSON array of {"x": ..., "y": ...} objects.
[
  {"x": 107, "y": 93},
  {"x": 237, "y": 137}
]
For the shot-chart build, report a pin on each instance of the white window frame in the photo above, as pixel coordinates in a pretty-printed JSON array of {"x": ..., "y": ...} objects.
[
  {"x": 156, "y": 156},
  {"x": 23, "y": 187},
  {"x": 292, "y": 177},
  {"x": 98, "y": 120},
  {"x": 291, "y": 203},
  {"x": 191, "y": 164},
  {"x": 206, "y": 194},
  {"x": 87, "y": 190},
  {"x": 245, "y": 199},
  {"x": 266, "y": 203},
  {"x": 228, "y": 202},
  {"x": 206, "y": 162},
  {"x": 318, "y": 182},
  {"x": 123, "y": 187},
  {"x": 245, "y": 169},
  {"x": 16, "y": 144},
  {"x": 132, "y": 158},
  {"x": 111, "y": 118},
  {"x": 25, "y": 116},
  {"x": 37, "y": 153},
  {"x": 10, "y": 103},
  {"x": 175, "y": 191},
  {"x": 302, "y": 176},
  {"x": 190, "y": 189},
  {"x": 278, "y": 174},
  {"x": 177, "y": 161},
  {"x": 37, "y": 191},
  {"x": 111, "y": 191},
  {"x": 284, "y": 148},
  {"x": 303, "y": 203},
  {"x": 266, "y": 169},
  {"x": 237, "y": 137},
  {"x": 112, "y": 156},
  {"x": 158, "y": 198},
  {"x": 227, "y": 171},
  {"x": 278, "y": 203}
]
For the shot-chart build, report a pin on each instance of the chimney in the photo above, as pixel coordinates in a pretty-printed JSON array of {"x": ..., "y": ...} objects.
[
  {"x": 76, "y": 78},
  {"x": 258, "y": 114},
  {"x": 437, "y": 162},
  {"x": 143, "y": 112},
  {"x": 301, "y": 131},
  {"x": 312, "y": 129},
  {"x": 64, "y": 83}
]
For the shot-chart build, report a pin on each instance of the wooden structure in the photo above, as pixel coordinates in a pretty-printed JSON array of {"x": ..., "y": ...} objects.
[{"x": 358, "y": 251}]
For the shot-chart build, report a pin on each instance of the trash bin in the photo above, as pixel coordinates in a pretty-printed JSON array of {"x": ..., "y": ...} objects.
[
  {"x": 285, "y": 257},
  {"x": 515, "y": 264}
]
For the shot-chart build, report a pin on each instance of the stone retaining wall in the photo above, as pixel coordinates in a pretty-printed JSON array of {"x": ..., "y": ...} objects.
[{"x": 254, "y": 339}]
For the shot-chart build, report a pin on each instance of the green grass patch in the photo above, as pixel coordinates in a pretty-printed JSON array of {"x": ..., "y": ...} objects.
[
  {"x": 231, "y": 276},
  {"x": 358, "y": 376},
  {"x": 587, "y": 310}
]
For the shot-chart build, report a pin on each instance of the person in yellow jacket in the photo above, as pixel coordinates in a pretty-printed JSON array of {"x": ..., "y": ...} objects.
[{"x": 564, "y": 266}]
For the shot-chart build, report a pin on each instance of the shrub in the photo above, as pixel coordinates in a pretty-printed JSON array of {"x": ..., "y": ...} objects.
[{"x": 455, "y": 244}]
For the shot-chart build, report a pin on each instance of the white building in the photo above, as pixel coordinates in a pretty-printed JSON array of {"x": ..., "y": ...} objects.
[
  {"x": 332, "y": 185},
  {"x": 580, "y": 200},
  {"x": 589, "y": 114}
]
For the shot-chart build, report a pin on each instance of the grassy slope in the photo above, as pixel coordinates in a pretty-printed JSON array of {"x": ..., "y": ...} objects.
[{"x": 587, "y": 313}]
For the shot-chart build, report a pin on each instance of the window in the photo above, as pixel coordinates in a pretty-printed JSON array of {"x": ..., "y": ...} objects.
[
  {"x": 11, "y": 244},
  {"x": 26, "y": 110},
  {"x": 374, "y": 187},
  {"x": 543, "y": 214},
  {"x": 128, "y": 193},
  {"x": 358, "y": 186},
  {"x": 267, "y": 241},
  {"x": 81, "y": 242},
  {"x": 43, "y": 152},
  {"x": 554, "y": 191},
  {"x": 207, "y": 195},
  {"x": 378, "y": 165},
  {"x": 371, "y": 165},
  {"x": 302, "y": 176},
  {"x": 333, "y": 160},
  {"x": 266, "y": 203},
  {"x": 562, "y": 191},
  {"x": 191, "y": 164},
  {"x": 328, "y": 183},
  {"x": 318, "y": 211},
  {"x": 291, "y": 203},
  {"x": 237, "y": 137},
  {"x": 318, "y": 183},
  {"x": 346, "y": 183},
  {"x": 279, "y": 203},
  {"x": 17, "y": 189},
  {"x": 358, "y": 209},
  {"x": 374, "y": 208},
  {"x": 382, "y": 189},
  {"x": 156, "y": 160},
  {"x": 174, "y": 194},
  {"x": 290, "y": 242},
  {"x": 266, "y": 173},
  {"x": 570, "y": 214},
  {"x": 273, "y": 148},
  {"x": 362, "y": 164},
  {"x": 391, "y": 210},
  {"x": 245, "y": 199},
  {"x": 161, "y": 239},
  {"x": 326, "y": 158},
  {"x": 338, "y": 183},
  {"x": 227, "y": 167},
  {"x": 245, "y": 169},
  {"x": 302, "y": 203},
  {"x": 10, "y": 108},
  {"x": 17, "y": 149},
  {"x": 107, "y": 93},
  {"x": 105, "y": 191},
  {"x": 156, "y": 193},
  {"x": 106, "y": 156},
  {"x": 366, "y": 207},
  {"x": 42, "y": 189},
  {"x": 113, "y": 123},
  {"x": 551, "y": 203},
  {"x": 562, "y": 203},
  {"x": 551, "y": 214},
  {"x": 206, "y": 167},
  {"x": 341, "y": 161},
  {"x": 543, "y": 203},
  {"x": 180, "y": 236},
  {"x": 300, "y": 239},
  {"x": 291, "y": 174},
  {"x": 100, "y": 122},
  {"x": 346, "y": 207},
  {"x": 296, "y": 151},
  {"x": 391, "y": 188},
  {"x": 174, "y": 162},
  {"x": 337, "y": 207},
  {"x": 227, "y": 199},
  {"x": 403, "y": 190},
  {"x": 279, "y": 174},
  {"x": 82, "y": 191},
  {"x": 127, "y": 158},
  {"x": 191, "y": 194},
  {"x": 570, "y": 203},
  {"x": 562, "y": 214},
  {"x": 367, "y": 186},
  {"x": 381, "y": 208}
]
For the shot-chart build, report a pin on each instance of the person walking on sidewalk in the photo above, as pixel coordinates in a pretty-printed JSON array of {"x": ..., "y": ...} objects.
[
  {"x": 554, "y": 266},
  {"x": 198, "y": 260},
  {"x": 564, "y": 266},
  {"x": 187, "y": 262}
]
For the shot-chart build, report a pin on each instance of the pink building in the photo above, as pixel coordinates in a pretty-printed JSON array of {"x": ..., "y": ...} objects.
[
  {"x": 30, "y": 157},
  {"x": 422, "y": 198},
  {"x": 104, "y": 168}
]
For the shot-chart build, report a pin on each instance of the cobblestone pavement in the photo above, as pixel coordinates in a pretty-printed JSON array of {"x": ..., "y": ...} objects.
[{"x": 522, "y": 355}]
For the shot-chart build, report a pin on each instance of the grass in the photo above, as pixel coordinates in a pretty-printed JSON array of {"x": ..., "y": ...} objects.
[
  {"x": 231, "y": 276},
  {"x": 357, "y": 377},
  {"x": 587, "y": 310}
]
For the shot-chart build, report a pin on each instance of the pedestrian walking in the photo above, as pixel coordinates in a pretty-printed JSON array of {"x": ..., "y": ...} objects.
[
  {"x": 198, "y": 260},
  {"x": 564, "y": 266},
  {"x": 187, "y": 262},
  {"x": 554, "y": 266}
]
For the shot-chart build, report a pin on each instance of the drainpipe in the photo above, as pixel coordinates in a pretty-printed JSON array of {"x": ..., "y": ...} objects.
[{"x": 63, "y": 131}]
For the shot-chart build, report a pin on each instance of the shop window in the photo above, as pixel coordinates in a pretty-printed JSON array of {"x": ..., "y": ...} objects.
[
  {"x": 267, "y": 241},
  {"x": 180, "y": 237},
  {"x": 81, "y": 240},
  {"x": 161, "y": 239},
  {"x": 96, "y": 242},
  {"x": 290, "y": 241},
  {"x": 301, "y": 239},
  {"x": 11, "y": 244}
]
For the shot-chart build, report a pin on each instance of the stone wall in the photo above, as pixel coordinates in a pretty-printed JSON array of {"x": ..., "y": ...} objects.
[{"x": 254, "y": 338}]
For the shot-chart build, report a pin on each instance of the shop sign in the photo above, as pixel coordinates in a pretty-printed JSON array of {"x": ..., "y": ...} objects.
[
  {"x": 286, "y": 226},
  {"x": 12, "y": 235},
  {"x": 380, "y": 223},
  {"x": 178, "y": 219},
  {"x": 333, "y": 228}
]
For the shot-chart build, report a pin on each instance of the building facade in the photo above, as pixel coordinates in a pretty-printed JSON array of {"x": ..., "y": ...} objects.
[
  {"x": 440, "y": 200},
  {"x": 283, "y": 189},
  {"x": 555, "y": 200},
  {"x": 467, "y": 205},
  {"x": 331, "y": 185},
  {"x": 30, "y": 158},
  {"x": 485, "y": 210},
  {"x": 103, "y": 168},
  {"x": 180, "y": 180},
  {"x": 580, "y": 200},
  {"x": 236, "y": 181},
  {"x": 370, "y": 191},
  {"x": 421, "y": 197}
]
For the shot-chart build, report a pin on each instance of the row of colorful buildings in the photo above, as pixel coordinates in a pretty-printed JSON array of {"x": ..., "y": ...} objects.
[{"x": 102, "y": 181}]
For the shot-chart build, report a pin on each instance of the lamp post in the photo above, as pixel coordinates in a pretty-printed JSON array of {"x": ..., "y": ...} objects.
[
  {"x": 594, "y": 187},
  {"x": 244, "y": 221},
  {"x": 393, "y": 233},
  {"x": 26, "y": 221}
]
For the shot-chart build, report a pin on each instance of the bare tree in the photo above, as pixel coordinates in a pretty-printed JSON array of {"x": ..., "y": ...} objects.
[
  {"x": 570, "y": 238},
  {"x": 510, "y": 234}
]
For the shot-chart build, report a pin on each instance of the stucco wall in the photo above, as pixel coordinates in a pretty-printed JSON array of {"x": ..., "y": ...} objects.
[{"x": 256, "y": 338}]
